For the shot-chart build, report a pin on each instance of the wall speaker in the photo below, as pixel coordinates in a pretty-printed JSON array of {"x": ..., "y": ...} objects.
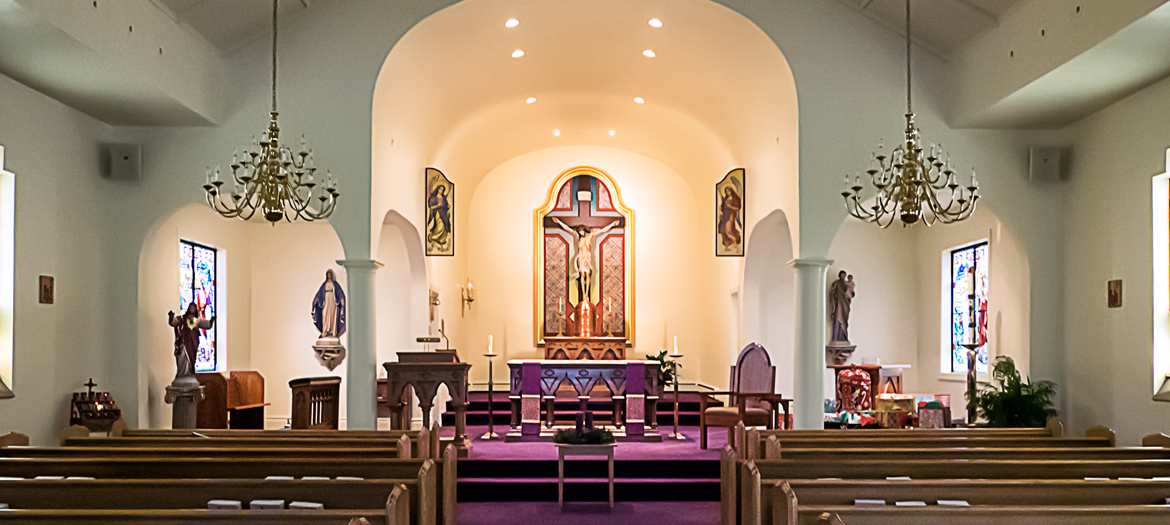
[
  {"x": 1044, "y": 164},
  {"x": 125, "y": 161}
]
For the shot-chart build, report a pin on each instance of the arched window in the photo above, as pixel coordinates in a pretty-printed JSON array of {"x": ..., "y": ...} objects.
[{"x": 957, "y": 264}]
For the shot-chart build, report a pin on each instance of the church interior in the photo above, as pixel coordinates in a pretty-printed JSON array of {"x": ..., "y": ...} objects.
[{"x": 770, "y": 261}]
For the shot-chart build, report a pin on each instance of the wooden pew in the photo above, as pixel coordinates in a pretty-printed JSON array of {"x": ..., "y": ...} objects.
[
  {"x": 112, "y": 494},
  {"x": 431, "y": 496},
  {"x": 861, "y": 454},
  {"x": 314, "y": 437},
  {"x": 185, "y": 516},
  {"x": 881, "y": 468},
  {"x": 984, "y": 515},
  {"x": 200, "y": 452},
  {"x": 787, "y": 496},
  {"x": 941, "y": 442}
]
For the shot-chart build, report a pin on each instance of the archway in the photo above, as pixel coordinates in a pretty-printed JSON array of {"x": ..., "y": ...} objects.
[
  {"x": 266, "y": 280},
  {"x": 905, "y": 266},
  {"x": 768, "y": 296}
]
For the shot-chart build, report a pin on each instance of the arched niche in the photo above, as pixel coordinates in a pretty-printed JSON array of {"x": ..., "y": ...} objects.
[
  {"x": 768, "y": 300},
  {"x": 402, "y": 292},
  {"x": 901, "y": 285},
  {"x": 268, "y": 276}
]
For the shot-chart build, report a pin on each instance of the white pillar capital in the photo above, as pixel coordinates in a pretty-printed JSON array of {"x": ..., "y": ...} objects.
[
  {"x": 359, "y": 264},
  {"x": 811, "y": 262}
]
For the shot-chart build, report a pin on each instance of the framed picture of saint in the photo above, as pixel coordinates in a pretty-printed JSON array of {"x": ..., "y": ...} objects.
[
  {"x": 440, "y": 208},
  {"x": 729, "y": 214}
]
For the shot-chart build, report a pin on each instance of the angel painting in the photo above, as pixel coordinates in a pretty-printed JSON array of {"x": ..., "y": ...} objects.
[
  {"x": 729, "y": 219},
  {"x": 440, "y": 219}
]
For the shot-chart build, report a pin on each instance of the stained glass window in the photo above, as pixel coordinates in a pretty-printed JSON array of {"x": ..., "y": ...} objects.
[
  {"x": 962, "y": 260},
  {"x": 197, "y": 284}
]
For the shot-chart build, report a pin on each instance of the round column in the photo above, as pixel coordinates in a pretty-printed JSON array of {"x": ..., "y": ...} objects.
[
  {"x": 361, "y": 363},
  {"x": 811, "y": 287}
]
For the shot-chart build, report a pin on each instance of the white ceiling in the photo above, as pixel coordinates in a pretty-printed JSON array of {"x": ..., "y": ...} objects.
[
  {"x": 943, "y": 27},
  {"x": 229, "y": 25}
]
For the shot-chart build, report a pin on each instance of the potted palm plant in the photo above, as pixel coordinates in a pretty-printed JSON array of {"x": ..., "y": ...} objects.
[{"x": 1009, "y": 401}]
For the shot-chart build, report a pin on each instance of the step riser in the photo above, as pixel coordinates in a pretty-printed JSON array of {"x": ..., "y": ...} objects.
[{"x": 475, "y": 491}]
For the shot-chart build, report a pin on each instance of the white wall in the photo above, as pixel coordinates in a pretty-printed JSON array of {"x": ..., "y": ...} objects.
[
  {"x": 158, "y": 293},
  {"x": 54, "y": 152},
  {"x": 1110, "y": 354},
  {"x": 673, "y": 292},
  {"x": 883, "y": 318},
  {"x": 288, "y": 266}
]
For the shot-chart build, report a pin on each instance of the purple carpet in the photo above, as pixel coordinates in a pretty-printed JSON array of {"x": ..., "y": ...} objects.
[
  {"x": 634, "y": 513},
  {"x": 687, "y": 449}
]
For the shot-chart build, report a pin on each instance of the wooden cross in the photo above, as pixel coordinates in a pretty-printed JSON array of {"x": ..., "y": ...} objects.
[
  {"x": 90, "y": 384},
  {"x": 585, "y": 216}
]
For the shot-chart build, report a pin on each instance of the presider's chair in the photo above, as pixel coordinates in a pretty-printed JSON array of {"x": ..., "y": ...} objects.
[{"x": 753, "y": 381}]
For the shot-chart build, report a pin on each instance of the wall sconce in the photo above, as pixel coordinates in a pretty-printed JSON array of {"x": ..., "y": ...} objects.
[
  {"x": 1164, "y": 390},
  {"x": 468, "y": 293}
]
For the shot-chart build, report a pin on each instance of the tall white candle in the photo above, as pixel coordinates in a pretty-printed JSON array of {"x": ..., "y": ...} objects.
[
  {"x": 974, "y": 326},
  {"x": 490, "y": 351},
  {"x": 676, "y": 345}
]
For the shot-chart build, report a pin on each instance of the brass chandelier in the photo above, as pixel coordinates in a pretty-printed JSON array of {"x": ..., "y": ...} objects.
[
  {"x": 911, "y": 185},
  {"x": 270, "y": 177}
]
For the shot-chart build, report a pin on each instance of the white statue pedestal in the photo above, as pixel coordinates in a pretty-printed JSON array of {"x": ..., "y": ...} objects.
[
  {"x": 184, "y": 393},
  {"x": 329, "y": 352},
  {"x": 839, "y": 352}
]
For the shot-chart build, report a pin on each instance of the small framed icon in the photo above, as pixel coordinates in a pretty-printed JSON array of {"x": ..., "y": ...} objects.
[
  {"x": 1115, "y": 293},
  {"x": 46, "y": 289}
]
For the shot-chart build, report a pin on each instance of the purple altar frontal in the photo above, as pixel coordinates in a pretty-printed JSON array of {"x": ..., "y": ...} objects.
[{"x": 633, "y": 387}]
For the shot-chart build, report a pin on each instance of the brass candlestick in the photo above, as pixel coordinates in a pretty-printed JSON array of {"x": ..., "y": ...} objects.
[
  {"x": 674, "y": 373},
  {"x": 491, "y": 433}
]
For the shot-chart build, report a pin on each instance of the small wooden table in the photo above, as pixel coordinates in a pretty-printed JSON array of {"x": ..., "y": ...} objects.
[{"x": 581, "y": 450}]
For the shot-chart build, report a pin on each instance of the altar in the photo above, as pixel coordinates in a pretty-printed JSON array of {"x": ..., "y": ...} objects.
[
  {"x": 595, "y": 348},
  {"x": 633, "y": 385}
]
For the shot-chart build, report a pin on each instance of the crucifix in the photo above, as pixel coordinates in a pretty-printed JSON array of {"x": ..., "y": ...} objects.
[{"x": 585, "y": 227}]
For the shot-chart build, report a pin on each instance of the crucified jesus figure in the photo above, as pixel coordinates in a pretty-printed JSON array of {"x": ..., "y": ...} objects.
[{"x": 583, "y": 261}]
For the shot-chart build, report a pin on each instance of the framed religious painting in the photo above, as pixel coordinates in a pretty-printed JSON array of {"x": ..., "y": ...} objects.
[
  {"x": 729, "y": 214},
  {"x": 440, "y": 219}
]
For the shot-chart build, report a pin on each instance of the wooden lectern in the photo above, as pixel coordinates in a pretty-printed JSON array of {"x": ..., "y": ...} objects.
[{"x": 231, "y": 400}]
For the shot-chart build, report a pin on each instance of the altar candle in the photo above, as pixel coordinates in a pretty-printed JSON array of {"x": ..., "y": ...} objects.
[
  {"x": 490, "y": 345},
  {"x": 676, "y": 345},
  {"x": 974, "y": 326}
]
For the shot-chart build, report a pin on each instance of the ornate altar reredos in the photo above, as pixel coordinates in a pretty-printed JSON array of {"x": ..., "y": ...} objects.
[{"x": 584, "y": 268}]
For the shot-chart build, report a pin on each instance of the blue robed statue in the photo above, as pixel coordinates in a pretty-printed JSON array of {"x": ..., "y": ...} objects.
[
  {"x": 329, "y": 308},
  {"x": 329, "y": 317}
]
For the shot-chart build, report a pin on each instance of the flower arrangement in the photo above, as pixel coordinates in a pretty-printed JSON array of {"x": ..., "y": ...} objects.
[{"x": 589, "y": 436}]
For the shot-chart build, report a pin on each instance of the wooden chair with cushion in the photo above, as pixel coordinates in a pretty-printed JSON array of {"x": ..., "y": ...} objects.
[{"x": 751, "y": 397}]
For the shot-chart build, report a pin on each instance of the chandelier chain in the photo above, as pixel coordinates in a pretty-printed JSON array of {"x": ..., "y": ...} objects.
[
  {"x": 909, "y": 108},
  {"x": 274, "y": 30}
]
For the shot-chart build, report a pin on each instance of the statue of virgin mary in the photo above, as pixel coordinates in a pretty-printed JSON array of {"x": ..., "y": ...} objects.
[{"x": 329, "y": 318}]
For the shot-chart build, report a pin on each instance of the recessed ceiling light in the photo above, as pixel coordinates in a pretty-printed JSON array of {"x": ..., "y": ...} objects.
[
  {"x": 655, "y": 23},
  {"x": 639, "y": 100},
  {"x": 512, "y": 22},
  {"x": 649, "y": 53},
  {"x": 518, "y": 53},
  {"x": 612, "y": 133},
  {"x": 556, "y": 132},
  {"x": 530, "y": 100}
]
